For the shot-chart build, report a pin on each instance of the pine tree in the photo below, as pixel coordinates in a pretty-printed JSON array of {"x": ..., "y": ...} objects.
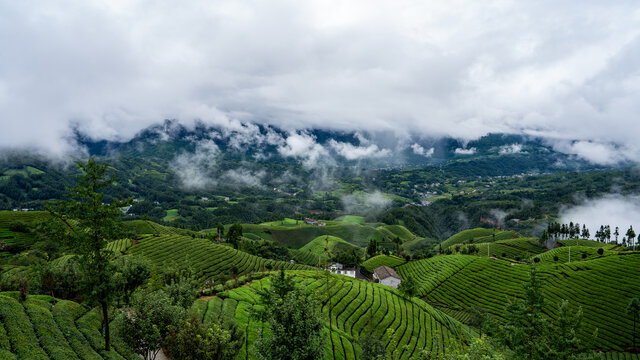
[{"x": 92, "y": 224}]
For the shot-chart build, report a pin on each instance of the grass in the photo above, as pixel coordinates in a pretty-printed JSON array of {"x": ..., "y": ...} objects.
[
  {"x": 172, "y": 214},
  {"x": 351, "y": 219}
]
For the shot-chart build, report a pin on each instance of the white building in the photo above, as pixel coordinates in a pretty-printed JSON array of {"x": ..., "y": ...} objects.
[
  {"x": 387, "y": 276},
  {"x": 339, "y": 269}
]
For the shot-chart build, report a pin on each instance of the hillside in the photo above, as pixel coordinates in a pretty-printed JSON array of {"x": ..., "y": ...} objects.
[
  {"x": 326, "y": 246},
  {"x": 602, "y": 286},
  {"x": 358, "y": 309},
  {"x": 206, "y": 258},
  {"x": 40, "y": 330}
]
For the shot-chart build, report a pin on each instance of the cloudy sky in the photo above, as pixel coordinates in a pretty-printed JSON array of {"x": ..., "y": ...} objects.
[{"x": 565, "y": 70}]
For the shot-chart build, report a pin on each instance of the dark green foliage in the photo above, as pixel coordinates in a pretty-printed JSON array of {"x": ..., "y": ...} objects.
[
  {"x": 182, "y": 292},
  {"x": 409, "y": 286},
  {"x": 193, "y": 340},
  {"x": 295, "y": 324},
  {"x": 145, "y": 323},
  {"x": 350, "y": 257},
  {"x": 234, "y": 235},
  {"x": 372, "y": 349},
  {"x": 92, "y": 224},
  {"x": 131, "y": 272},
  {"x": 19, "y": 226},
  {"x": 527, "y": 333}
]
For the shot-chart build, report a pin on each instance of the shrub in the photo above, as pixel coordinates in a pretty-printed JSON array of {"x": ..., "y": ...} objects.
[
  {"x": 191, "y": 340},
  {"x": 19, "y": 226},
  {"x": 536, "y": 260},
  {"x": 143, "y": 325},
  {"x": 584, "y": 255},
  {"x": 600, "y": 251},
  {"x": 555, "y": 258}
]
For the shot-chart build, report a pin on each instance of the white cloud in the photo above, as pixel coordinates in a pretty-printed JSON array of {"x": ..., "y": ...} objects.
[
  {"x": 362, "y": 202},
  {"x": 614, "y": 210},
  {"x": 352, "y": 152},
  {"x": 594, "y": 152},
  {"x": 511, "y": 149},
  {"x": 419, "y": 150},
  {"x": 195, "y": 169},
  {"x": 243, "y": 177},
  {"x": 461, "y": 69},
  {"x": 304, "y": 146},
  {"x": 462, "y": 151}
]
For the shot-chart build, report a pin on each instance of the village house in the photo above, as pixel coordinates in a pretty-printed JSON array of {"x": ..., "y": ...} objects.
[
  {"x": 387, "y": 276},
  {"x": 339, "y": 269},
  {"x": 313, "y": 222}
]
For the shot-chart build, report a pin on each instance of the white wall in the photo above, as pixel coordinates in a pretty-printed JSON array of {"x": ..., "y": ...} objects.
[{"x": 391, "y": 281}]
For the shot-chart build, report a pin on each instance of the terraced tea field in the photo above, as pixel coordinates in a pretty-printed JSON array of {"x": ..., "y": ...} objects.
[
  {"x": 576, "y": 253},
  {"x": 514, "y": 249},
  {"x": 325, "y": 246},
  {"x": 603, "y": 288},
  {"x": 476, "y": 236},
  {"x": 206, "y": 258},
  {"x": 119, "y": 245},
  {"x": 357, "y": 308},
  {"x": 387, "y": 260},
  {"x": 39, "y": 330}
]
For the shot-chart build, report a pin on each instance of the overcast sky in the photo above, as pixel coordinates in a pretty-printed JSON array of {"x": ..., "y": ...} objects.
[{"x": 567, "y": 70}]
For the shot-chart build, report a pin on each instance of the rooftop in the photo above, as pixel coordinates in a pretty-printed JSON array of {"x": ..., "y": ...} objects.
[{"x": 383, "y": 272}]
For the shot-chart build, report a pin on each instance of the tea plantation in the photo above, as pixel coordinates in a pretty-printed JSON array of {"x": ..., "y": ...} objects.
[
  {"x": 357, "y": 309},
  {"x": 206, "y": 258},
  {"x": 602, "y": 286},
  {"x": 38, "y": 329}
]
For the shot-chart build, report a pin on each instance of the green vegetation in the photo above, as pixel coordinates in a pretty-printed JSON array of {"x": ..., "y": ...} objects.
[
  {"x": 92, "y": 224},
  {"x": 379, "y": 260},
  {"x": 206, "y": 258},
  {"x": 39, "y": 329},
  {"x": 326, "y": 246},
  {"x": 172, "y": 214},
  {"x": 458, "y": 283},
  {"x": 357, "y": 309}
]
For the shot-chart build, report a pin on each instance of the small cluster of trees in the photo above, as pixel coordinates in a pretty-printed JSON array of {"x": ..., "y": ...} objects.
[
  {"x": 565, "y": 231},
  {"x": 572, "y": 231}
]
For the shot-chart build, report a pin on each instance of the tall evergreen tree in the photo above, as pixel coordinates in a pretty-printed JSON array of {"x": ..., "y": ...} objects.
[{"x": 92, "y": 224}]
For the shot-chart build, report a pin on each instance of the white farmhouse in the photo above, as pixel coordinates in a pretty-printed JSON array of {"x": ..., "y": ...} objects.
[
  {"x": 387, "y": 276},
  {"x": 339, "y": 269}
]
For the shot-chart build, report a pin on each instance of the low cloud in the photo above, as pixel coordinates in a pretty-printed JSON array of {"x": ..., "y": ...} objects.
[
  {"x": 595, "y": 152},
  {"x": 365, "y": 202},
  {"x": 303, "y": 146},
  {"x": 195, "y": 169},
  {"x": 462, "y": 151},
  {"x": 613, "y": 209},
  {"x": 511, "y": 149},
  {"x": 243, "y": 177},
  {"x": 352, "y": 152},
  {"x": 498, "y": 215},
  {"x": 419, "y": 150}
]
